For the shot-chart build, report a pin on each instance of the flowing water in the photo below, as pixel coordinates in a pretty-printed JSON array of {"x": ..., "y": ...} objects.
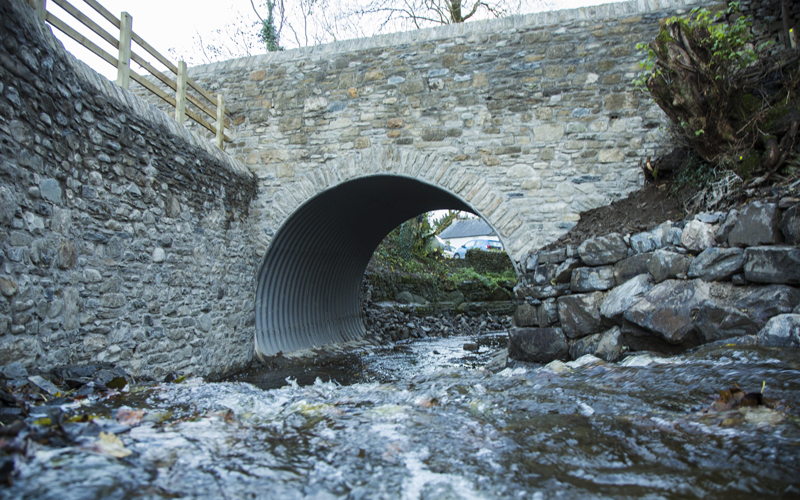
[{"x": 423, "y": 421}]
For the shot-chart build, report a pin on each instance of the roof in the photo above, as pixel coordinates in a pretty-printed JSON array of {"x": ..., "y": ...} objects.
[{"x": 467, "y": 228}]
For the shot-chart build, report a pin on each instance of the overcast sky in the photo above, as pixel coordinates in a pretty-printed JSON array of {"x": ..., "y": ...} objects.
[{"x": 172, "y": 24}]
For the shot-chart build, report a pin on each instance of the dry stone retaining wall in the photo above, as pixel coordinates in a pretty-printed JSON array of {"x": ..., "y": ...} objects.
[
  {"x": 718, "y": 276},
  {"x": 123, "y": 237}
]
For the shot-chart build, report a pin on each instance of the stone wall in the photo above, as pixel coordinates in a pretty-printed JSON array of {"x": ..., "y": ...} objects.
[
  {"x": 767, "y": 18},
  {"x": 123, "y": 237},
  {"x": 539, "y": 108},
  {"x": 722, "y": 276}
]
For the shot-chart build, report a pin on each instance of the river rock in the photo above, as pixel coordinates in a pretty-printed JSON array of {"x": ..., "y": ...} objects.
[
  {"x": 772, "y": 264},
  {"x": 668, "y": 309},
  {"x": 538, "y": 345},
  {"x": 717, "y": 264},
  {"x": 579, "y": 314},
  {"x": 592, "y": 279},
  {"x": 790, "y": 225},
  {"x": 781, "y": 331},
  {"x": 697, "y": 236},
  {"x": 665, "y": 264},
  {"x": 630, "y": 267},
  {"x": 602, "y": 250},
  {"x": 619, "y": 299},
  {"x": 757, "y": 225},
  {"x": 584, "y": 345}
]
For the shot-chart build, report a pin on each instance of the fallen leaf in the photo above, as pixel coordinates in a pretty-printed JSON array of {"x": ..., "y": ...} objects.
[
  {"x": 111, "y": 445},
  {"x": 126, "y": 416}
]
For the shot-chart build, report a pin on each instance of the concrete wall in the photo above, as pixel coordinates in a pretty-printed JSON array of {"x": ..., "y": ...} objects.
[{"x": 123, "y": 237}]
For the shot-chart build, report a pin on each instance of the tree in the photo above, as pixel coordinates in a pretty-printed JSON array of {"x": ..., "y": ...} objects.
[{"x": 735, "y": 105}]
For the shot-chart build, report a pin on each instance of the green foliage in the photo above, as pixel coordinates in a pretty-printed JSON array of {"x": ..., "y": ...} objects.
[
  {"x": 728, "y": 45},
  {"x": 694, "y": 176},
  {"x": 489, "y": 280},
  {"x": 269, "y": 34},
  {"x": 488, "y": 261}
]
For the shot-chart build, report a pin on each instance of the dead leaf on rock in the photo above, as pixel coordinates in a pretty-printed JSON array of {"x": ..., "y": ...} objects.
[
  {"x": 110, "y": 444},
  {"x": 126, "y": 416}
]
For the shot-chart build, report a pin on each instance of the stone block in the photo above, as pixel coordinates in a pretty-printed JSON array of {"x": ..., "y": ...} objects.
[
  {"x": 630, "y": 267},
  {"x": 552, "y": 256},
  {"x": 602, "y": 250},
  {"x": 622, "y": 297},
  {"x": 665, "y": 264},
  {"x": 579, "y": 314},
  {"x": 757, "y": 224},
  {"x": 538, "y": 345},
  {"x": 592, "y": 279},
  {"x": 717, "y": 264},
  {"x": 548, "y": 132},
  {"x": 526, "y": 315},
  {"x": 667, "y": 310},
  {"x": 697, "y": 236},
  {"x": 563, "y": 272},
  {"x": 606, "y": 346},
  {"x": 790, "y": 225},
  {"x": 772, "y": 264},
  {"x": 652, "y": 240}
]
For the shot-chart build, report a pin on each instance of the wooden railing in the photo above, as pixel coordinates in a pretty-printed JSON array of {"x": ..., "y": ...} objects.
[{"x": 216, "y": 110}]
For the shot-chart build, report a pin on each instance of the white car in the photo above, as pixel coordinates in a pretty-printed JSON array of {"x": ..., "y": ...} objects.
[{"x": 481, "y": 244}]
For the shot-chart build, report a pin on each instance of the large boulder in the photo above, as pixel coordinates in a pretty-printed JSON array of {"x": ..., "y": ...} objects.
[
  {"x": 603, "y": 250},
  {"x": 579, "y": 314},
  {"x": 665, "y": 264},
  {"x": 724, "y": 229},
  {"x": 781, "y": 331},
  {"x": 619, "y": 299},
  {"x": 667, "y": 310},
  {"x": 735, "y": 311},
  {"x": 538, "y": 345},
  {"x": 790, "y": 225},
  {"x": 631, "y": 267},
  {"x": 592, "y": 279},
  {"x": 757, "y": 224},
  {"x": 717, "y": 264},
  {"x": 697, "y": 236},
  {"x": 772, "y": 264}
]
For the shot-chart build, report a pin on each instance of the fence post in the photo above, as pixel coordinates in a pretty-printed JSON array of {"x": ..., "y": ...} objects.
[
  {"x": 124, "y": 67},
  {"x": 220, "y": 120},
  {"x": 180, "y": 93}
]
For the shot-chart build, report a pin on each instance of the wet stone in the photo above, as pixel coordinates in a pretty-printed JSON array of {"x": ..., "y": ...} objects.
[
  {"x": 781, "y": 331},
  {"x": 667, "y": 309},
  {"x": 538, "y": 345},
  {"x": 620, "y": 298},
  {"x": 579, "y": 314}
]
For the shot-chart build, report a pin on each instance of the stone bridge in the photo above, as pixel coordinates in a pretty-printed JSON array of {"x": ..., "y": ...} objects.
[
  {"x": 526, "y": 121},
  {"x": 127, "y": 238}
]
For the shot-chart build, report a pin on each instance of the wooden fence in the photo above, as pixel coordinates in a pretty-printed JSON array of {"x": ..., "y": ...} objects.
[{"x": 216, "y": 109}]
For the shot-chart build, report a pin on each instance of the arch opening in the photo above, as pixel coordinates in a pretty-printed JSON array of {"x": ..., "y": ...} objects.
[{"x": 308, "y": 286}]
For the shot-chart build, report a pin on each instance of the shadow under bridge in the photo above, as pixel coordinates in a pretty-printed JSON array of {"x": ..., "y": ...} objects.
[{"x": 308, "y": 290}]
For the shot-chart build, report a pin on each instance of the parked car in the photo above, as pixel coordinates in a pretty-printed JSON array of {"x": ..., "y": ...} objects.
[
  {"x": 449, "y": 251},
  {"x": 482, "y": 244}
]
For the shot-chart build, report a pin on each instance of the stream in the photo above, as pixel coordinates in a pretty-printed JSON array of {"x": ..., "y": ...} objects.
[{"x": 424, "y": 420}]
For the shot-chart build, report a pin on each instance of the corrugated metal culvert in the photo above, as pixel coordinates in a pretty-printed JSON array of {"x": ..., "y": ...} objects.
[{"x": 309, "y": 283}]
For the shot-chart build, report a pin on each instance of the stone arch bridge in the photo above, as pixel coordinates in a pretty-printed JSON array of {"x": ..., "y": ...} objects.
[
  {"x": 129, "y": 238},
  {"x": 526, "y": 121}
]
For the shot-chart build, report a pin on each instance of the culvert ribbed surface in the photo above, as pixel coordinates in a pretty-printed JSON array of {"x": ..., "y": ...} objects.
[{"x": 309, "y": 283}]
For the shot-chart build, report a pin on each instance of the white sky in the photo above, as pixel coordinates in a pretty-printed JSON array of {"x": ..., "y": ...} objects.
[{"x": 172, "y": 24}]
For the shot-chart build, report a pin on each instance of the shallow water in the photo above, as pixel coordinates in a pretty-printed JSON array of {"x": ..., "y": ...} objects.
[{"x": 630, "y": 430}]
